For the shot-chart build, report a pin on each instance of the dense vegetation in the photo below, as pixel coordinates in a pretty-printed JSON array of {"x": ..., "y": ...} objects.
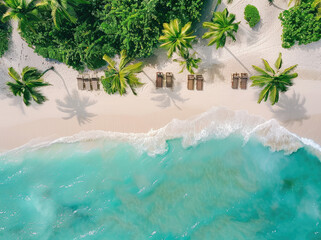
[
  {"x": 300, "y": 24},
  {"x": 273, "y": 81},
  {"x": 251, "y": 15},
  {"x": 5, "y": 31},
  {"x": 107, "y": 27}
]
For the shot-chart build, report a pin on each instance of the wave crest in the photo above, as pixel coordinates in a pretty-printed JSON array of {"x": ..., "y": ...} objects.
[{"x": 215, "y": 123}]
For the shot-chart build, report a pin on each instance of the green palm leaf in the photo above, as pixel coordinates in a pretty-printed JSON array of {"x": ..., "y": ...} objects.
[
  {"x": 278, "y": 63},
  {"x": 267, "y": 66},
  {"x": 264, "y": 93}
]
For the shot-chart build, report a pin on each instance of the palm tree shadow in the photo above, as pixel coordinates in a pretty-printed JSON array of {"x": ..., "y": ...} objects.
[
  {"x": 212, "y": 68},
  {"x": 167, "y": 97},
  {"x": 75, "y": 106},
  {"x": 239, "y": 61},
  {"x": 290, "y": 109}
]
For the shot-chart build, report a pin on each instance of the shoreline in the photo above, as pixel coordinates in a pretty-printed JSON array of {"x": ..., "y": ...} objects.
[
  {"x": 218, "y": 122},
  {"x": 70, "y": 111}
]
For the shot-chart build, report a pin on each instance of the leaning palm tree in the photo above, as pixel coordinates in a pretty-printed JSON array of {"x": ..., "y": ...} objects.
[
  {"x": 221, "y": 27},
  {"x": 117, "y": 79},
  {"x": 176, "y": 38},
  {"x": 22, "y": 10},
  {"x": 62, "y": 9},
  {"x": 273, "y": 81},
  {"x": 189, "y": 62},
  {"x": 26, "y": 85}
]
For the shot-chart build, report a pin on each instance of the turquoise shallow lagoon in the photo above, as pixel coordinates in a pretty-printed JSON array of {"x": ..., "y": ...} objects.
[{"x": 218, "y": 189}]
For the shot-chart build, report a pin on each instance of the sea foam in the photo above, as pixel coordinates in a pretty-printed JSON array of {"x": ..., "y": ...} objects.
[{"x": 217, "y": 123}]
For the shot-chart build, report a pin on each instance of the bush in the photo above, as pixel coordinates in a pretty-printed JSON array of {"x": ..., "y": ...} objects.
[
  {"x": 300, "y": 25},
  {"x": 107, "y": 27},
  {"x": 5, "y": 32},
  {"x": 251, "y": 15}
]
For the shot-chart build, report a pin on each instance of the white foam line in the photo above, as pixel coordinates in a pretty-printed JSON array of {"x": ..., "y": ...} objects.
[{"x": 216, "y": 123}]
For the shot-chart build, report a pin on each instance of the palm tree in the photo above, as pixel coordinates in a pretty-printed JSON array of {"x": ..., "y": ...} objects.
[
  {"x": 221, "y": 27},
  {"x": 117, "y": 80},
  {"x": 273, "y": 81},
  {"x": 62, "y": 9},
  {"x": 176, "y": 38},
  {"x": 188, "y": 62},
  {"x": 26, "y": 85},
  {"x": 23, "y": 11}
]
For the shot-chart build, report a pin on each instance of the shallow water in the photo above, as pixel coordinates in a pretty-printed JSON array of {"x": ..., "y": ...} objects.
[{"x": 218, "y": 189}]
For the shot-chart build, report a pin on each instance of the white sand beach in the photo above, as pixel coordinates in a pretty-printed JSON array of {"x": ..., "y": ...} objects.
[{"x": 69, "y": 110}]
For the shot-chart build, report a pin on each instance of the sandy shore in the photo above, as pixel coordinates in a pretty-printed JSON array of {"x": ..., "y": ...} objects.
[{"x": 70, "y": 111}]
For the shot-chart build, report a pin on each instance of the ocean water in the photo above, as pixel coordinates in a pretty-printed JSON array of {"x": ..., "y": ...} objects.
[{"x": 217, "y": 188}]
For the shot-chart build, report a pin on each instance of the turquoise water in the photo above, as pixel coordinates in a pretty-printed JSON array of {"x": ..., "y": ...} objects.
[{"x": 219, "y": 189}]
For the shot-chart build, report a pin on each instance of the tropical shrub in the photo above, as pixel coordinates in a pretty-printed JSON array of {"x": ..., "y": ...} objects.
[
  {"x": 26, "y": 85},
  {"x": 273, "y": 81},
  {"x": 300, "y": 24},
  {"x": 118, "y": 79},
  {"x": 221, "y": 27},
  {"x": 107, "y": 27},
  {"x": 251, "y": 15},
  {"x": 5, "y": 31}
]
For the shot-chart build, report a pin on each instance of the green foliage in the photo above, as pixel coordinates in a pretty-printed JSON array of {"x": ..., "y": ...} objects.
[
  {"x": 61, "y": 10},
  {"x": 136, "y": 25},
  {"x": 118, "y": 79},
  {"x": 106, "y": 27},
  {"x": 22, "y": 10},
  {"x": 300, "y": 24},
  {"x": 221, "y": 27},
  {"x": 78, "y": 45},
  {"x": 189, "y": 62},
  {"x": 26, "y": 85},
  {"x": 296, "y": 2},
  {"x": 176, "y": 38},
  {"x": 5, "y": 31},
  {"x": 317, "y": 5},
  {"x": 251, "y": 15},
  {"x": 273, "y": 81}
]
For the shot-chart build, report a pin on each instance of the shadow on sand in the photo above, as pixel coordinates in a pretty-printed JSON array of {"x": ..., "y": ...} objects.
[
  {"x": 290, "y": 109},
  {"x": 167, "y": 97},
  {"x": 75, "y": 106}
]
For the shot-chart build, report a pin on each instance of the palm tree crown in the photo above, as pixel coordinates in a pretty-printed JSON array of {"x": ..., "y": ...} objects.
[
  {"x": 117, "y": 80},
  {"x": 273, "y": 81},
  {"x": 62, "y": 9},
  {"x": 21, "y": 10},
  {"x": 176, "y": 38},
  {"x": 26, "y": 85},
  {"x": 189, "y": 62},
  {"x": 221, "y": 27}
]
